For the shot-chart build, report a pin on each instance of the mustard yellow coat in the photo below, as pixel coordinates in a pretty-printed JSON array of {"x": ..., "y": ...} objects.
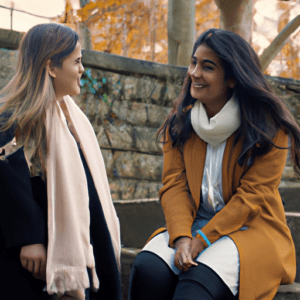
[{"x": 266, "y": 248}]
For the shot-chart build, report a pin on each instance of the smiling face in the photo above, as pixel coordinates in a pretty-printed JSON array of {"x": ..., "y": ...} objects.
[
  {"x": 208, "y": 80},
  {"x": 66, "y": 79}
]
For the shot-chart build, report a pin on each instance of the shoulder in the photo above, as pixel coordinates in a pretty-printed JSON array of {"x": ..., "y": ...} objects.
[
  {"x": 281, "y": 138},
  {"x": 6, "y": 136}
]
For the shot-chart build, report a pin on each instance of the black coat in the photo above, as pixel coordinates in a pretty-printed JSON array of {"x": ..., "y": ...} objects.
[{"x": 23, "y": 221}]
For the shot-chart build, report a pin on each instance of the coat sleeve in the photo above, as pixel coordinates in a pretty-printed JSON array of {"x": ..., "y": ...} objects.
[
  {"x": 8, "y": 135},
  {"x": 256, "y": 199},
  {"x": 176, "y": 200},
  {"x": 21, "y": 219}
]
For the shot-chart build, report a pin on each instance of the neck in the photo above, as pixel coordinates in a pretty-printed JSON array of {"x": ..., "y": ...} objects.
[
  {"x": 211, "y": 111},
  {"x": 59, "y": 98},
  {"x": 214, "y": 108}
]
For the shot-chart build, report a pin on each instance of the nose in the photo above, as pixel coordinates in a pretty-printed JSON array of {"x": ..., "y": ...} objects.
[
  {"x": 196, "y": 72},
  {"x": 81, "y": 68}
]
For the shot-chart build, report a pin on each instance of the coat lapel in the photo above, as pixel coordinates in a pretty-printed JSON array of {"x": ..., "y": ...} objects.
[
  {"x": 231, "y": 170},
  {"x": 194, "y": 158}
]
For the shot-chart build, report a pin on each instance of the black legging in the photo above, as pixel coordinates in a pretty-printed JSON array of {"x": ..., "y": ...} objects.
[{"x": 152, "y": 279}]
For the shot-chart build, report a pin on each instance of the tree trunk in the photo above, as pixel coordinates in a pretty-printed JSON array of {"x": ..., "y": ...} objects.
[
  {"x": 152, "y": 30},
  {"x": 85, "y": 34},
  {"x": 236, "y": 16},
  {"x": 181, "y": 31}
]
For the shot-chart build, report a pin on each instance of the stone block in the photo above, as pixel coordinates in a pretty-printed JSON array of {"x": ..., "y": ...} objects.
[
  {"x": 130, "y": 112},
  {"x": 289, "y": 174},
  {"x": 158, "y": 91},
  {"x": 145, "y": 139},
  {"x": 294, "y": 225},
  {"x": 7, "y": 66},
  {"x": 138, "y": 221},
  {"x": 128, "y": 189},
  {"x": 120, "y": 164},
  {"x": 127, "y": 137},
  {"x": 141, "y": 114},
  {"x": 289, "y": 296},
  {"x": 130, "y": 87},
  {"x": 172, "y": 91},
  {"x": 156, "y": 115}
]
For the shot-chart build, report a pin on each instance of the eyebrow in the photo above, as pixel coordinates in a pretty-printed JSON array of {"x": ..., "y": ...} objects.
[
  {"x": 210, "y": 62},
  {"x": 207, "y": 61}
]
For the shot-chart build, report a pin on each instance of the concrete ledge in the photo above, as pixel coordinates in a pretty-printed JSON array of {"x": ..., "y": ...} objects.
[
  {"x": 10, "y": 39},
  {"x": 125, "y": 65},
  {"x": 285, "y": 292},
  {"x": 290, "y": 288},
  {"x": 138, "y": 220}
]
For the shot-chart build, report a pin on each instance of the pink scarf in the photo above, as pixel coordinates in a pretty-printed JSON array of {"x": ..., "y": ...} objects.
[{"x": 69, "y": 250}]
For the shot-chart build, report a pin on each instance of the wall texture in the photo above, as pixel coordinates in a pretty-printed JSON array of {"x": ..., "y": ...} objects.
[
  {"x": 126, "y": 111},
  {"x": 126, "y": 101}
]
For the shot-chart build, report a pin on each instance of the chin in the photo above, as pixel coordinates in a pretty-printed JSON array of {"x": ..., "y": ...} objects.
[
  {"x": 195, "y": 96},
  {"x": 75, "y": 92}
]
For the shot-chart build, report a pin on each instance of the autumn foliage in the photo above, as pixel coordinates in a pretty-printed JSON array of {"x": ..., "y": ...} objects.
[
  {"x": 127, "y": 27},
  {"x": 138, "y": 29}
]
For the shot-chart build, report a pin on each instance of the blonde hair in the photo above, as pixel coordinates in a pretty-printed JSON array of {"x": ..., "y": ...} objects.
[{"x": 30, "y": 92}]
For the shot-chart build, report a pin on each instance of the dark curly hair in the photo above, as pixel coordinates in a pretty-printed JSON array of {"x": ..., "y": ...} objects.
[{"x": 262, "y": 112}]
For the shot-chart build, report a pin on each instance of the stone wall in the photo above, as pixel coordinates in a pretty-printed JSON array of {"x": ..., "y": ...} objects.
[
  {"x": 126, "y": 101},
  {"x": 126, "y": 111}
]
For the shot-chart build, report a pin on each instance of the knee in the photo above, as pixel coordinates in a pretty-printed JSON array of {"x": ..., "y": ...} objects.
[
  {"x": 151, "y": 278},
  {"x": 204, "y": 281},
  {"x": 147, "y": 266}
]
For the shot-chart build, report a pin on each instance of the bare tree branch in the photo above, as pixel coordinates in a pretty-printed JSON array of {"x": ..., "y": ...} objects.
[{"x": 274, "y": 48}]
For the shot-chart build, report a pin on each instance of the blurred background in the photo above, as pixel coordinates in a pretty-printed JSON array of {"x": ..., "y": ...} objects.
[
  {"x": 127, "y": 100},
  {"x": 139, "y": 28}
]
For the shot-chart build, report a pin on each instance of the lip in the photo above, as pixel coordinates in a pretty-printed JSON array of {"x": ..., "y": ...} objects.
[
  {"x": 78, "y": 82},
  {"x": 199, "y": 85}
]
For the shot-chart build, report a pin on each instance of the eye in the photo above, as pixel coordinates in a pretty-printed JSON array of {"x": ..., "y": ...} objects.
[
  {"x": 78, "y": 60},
  {"x": 193, "y": 62},
  {"x": 208, "y": 67}
]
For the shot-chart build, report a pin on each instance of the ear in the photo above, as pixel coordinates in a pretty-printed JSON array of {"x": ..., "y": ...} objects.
[
  {"x": 50, "y": 69},
  {"x": 231, "y": 83}
]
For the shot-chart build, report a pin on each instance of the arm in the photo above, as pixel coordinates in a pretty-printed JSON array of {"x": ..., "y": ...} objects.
[
  {"x": 21, "y": 219},
  {"x": 257, "y": 197},
  {"x": 8, "y": 135},
  {"x": 178, "y": 205},
  {"x": 179, "y": 208}
]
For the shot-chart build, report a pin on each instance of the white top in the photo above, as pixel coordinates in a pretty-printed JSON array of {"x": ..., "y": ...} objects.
[
  {"x": 222, "y": 256},
  {"x": 212, "y": 191}
]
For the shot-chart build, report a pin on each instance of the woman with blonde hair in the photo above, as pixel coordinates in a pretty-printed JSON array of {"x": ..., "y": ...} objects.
[{"x": 57, "y": 221}]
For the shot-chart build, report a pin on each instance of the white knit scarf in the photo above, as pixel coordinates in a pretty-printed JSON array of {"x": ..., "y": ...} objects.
[
  {"x": 220, "y": 127},
  {"x": 69, "y": 250}
]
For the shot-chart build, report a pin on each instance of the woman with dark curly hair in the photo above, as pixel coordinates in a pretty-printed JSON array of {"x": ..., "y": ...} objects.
[{"x": 225, "y": 148}]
